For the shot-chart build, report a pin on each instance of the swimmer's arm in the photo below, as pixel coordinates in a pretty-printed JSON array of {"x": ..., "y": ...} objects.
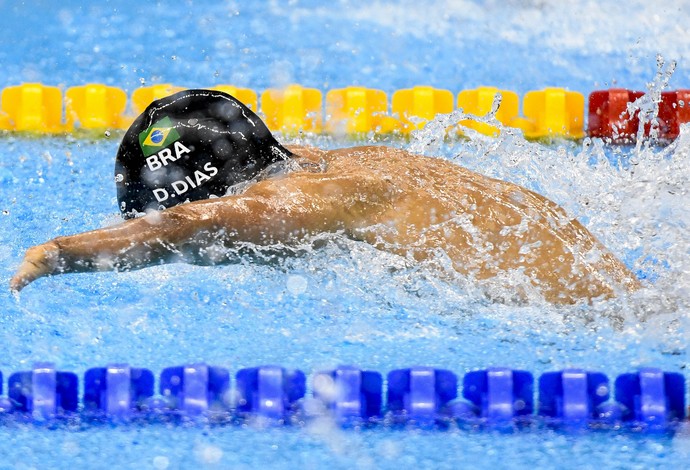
[
  {"x": 267, "y": 214},
  {"x": 133, "y": 244}
]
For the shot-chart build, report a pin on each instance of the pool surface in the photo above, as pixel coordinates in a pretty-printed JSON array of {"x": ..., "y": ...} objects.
[{"x": 345, "y": 302}]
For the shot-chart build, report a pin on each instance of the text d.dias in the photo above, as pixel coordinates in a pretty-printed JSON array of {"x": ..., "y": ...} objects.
[{"x": 182, "y": 186}]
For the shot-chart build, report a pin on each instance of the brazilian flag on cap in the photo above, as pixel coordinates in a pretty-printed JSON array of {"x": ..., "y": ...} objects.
[{"x": 159, "y": 135}]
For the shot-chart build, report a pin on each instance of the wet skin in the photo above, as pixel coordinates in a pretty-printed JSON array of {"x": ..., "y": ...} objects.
[{"x": 407, "y": 204}]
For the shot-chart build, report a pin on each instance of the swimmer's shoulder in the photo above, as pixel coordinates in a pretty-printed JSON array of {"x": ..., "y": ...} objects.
[
  {"x": 343, "y": 160},
  {"x": 379, "y": 159},
  {"x": 308, "y": 152},
  {"x": 368, "y": 151}
]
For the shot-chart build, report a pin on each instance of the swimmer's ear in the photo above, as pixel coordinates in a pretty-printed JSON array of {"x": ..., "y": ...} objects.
[{"x": 39, "y": 261}]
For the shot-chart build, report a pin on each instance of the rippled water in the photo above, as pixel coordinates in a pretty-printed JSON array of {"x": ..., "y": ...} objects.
[{"x": 346, "y": 302}]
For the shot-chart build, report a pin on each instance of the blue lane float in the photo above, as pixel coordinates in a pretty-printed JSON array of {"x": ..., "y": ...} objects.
[
  {"x": 500, "y": 394},
  {"x": 574, "y": 396},
  {"x": 651, "y": 397},
  {"x": 421, "y": 394},
  {"x": 350, "y": 394},
  {"x": 44, "y": 392},
  {"x": 116, "y": 391},
  {"x": 647, "y": 400},
  {"x": 269, "y": 391},
  {"x": 195, "y": 389}
]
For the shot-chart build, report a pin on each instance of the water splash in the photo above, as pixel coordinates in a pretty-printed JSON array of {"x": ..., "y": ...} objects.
[
  {"x": 632, "y": 198},
  {"x": 647, "y": 106}
]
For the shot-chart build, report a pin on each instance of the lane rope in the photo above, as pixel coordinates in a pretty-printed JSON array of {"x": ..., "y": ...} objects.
[
  {"x": 648, "y": 400},
  {"x": 616, "y": 115}
]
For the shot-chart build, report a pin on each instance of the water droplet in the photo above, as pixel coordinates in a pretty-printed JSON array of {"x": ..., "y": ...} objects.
[
  {"x": 161, "y": 462},
  {"x": 209, "y": 454},
  {"x": 296, "y": 284}
]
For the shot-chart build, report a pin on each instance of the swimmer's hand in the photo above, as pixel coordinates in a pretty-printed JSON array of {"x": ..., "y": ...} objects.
[{"x": 39, "y": 261}]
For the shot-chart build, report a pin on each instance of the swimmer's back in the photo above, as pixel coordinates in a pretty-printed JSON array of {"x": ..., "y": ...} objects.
[{"x": 486, "y": 226}]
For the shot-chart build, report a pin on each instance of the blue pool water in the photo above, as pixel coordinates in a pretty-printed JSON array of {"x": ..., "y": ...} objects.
[{"x": 345, "y": 303}]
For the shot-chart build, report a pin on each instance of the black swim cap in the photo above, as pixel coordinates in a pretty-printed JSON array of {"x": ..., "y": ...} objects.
[{"x": 189, "y": 146}]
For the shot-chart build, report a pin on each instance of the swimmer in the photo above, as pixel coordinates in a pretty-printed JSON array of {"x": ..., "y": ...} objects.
[{"x": 199, "y": 173}]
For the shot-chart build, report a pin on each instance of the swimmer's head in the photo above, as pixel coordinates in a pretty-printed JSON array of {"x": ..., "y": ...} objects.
[{"x": 192, "y": 145}]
